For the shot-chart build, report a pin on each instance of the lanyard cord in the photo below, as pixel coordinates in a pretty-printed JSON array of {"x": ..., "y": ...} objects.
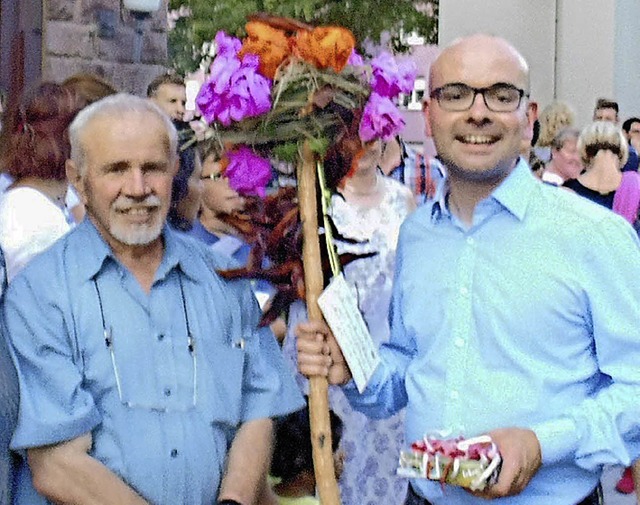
[
  {"x": 107, "y": 332},
  {"x": 108, "y": 340}
]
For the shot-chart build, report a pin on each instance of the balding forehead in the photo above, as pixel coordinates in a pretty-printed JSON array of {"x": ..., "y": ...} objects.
[{"x": 482, "y": 49}]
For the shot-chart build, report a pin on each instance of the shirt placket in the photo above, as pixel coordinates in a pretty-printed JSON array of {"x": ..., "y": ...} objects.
[
  {"x": 462, "y": 329},
  {"x": 169, "y": 342}
]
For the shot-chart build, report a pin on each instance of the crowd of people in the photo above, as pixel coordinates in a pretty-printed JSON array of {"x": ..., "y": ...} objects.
[{"x": 505, "y": 304}]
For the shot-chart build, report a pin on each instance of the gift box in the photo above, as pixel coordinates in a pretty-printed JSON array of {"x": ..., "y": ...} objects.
[{"x": 472, "y": 463}]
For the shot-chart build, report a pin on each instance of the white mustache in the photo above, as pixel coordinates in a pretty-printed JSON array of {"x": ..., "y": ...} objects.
[{"x": 124, "y": 203}]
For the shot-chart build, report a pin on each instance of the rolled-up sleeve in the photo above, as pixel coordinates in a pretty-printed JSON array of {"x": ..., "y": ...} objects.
[{"x": 54, "y": 406}]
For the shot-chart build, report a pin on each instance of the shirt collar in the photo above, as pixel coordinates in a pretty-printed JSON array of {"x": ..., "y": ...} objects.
[
  {"x": 94, "y": 252},
  {"x": 516, "y": 191},
  {"x": 513, "y": 193},
  {"x": 552, "y": 178}
]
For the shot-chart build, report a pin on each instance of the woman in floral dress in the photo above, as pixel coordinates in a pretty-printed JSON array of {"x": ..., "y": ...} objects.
[{"x": 369, "y": 208}]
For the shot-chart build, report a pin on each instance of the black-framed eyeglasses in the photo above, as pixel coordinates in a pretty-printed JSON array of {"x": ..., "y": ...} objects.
[
  {"x": 459, "y": 97},
  {"x": 212, "y": 177}
]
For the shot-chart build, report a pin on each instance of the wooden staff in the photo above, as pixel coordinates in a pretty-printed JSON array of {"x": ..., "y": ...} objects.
[{"x": 318, "y": 387}]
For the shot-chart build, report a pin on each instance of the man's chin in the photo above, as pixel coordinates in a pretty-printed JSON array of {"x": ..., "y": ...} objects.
[
  {"x": 137, "y": 236},
  {"x": 485, "y": 170}
]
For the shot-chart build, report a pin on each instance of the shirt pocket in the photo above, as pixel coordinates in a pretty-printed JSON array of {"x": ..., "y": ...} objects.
[{"x": 222, "y": 379}]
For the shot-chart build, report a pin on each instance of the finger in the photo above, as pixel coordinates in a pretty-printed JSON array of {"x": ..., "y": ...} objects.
[
  {"x": 303, "y": 330},
  {"x": 314, "y": 365},
  {"x": 334, "y": 348},
  {"x": 312, "y": 343}
]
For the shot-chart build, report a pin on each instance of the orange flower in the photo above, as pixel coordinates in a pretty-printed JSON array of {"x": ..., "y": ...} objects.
[
  {"x": 269, "y": 44},
  {"x": 326, "y": 46}
]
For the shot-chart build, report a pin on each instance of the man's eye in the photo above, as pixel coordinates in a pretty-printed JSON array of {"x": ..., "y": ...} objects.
[
  {"x": 504, "y": 95},
  {"x": 116, "y": 168},
  {"x": 452, "y": 95},
  {"x": 154, "y": 168}
]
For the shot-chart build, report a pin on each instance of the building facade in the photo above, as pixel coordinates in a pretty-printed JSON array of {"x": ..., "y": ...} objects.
[{"x": 53, "y": 39}]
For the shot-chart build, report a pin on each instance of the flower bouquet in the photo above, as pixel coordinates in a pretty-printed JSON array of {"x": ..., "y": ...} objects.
[
  {"x": 285, "y": 86},
  {"x": 472, "y": 463},
  {"x": 299, "y": 94}
]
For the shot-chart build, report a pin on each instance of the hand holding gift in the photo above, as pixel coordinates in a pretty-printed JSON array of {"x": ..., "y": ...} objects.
[
  {"x": 521, "y": 459},
  {"x": 490, "y": 466}
]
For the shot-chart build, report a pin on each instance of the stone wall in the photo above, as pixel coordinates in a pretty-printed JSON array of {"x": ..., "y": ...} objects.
[{"x": 74, "y": 43}]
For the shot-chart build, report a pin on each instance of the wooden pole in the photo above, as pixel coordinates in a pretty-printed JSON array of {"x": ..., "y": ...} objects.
[{"x": 318, "y": 387}]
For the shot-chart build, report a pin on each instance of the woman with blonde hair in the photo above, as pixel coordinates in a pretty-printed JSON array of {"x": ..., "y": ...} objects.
[
  {"x": 555, "y": 116},
  {"x": 604, "y": 150}
]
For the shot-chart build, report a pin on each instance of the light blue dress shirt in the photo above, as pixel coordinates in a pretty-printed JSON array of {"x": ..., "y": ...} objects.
[
  {"x": 529, "y": 318},
  {"x": 165, "y": 439},
  {"x": 8, "y": 406}
]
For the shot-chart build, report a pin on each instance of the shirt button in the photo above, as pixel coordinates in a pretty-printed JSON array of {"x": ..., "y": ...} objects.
[
  {"x": 464, "y": 291},
  {"x": 167, "y": 392},
  {"x": 174, "y": 453},
  {"x": 470, "y": 240},
  {"x": 160, "y": 337},
  {"x": 454, "y": 395},
  {"x": 459, "y": 342}
]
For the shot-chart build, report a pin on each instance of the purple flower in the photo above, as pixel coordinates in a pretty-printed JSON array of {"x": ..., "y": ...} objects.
[
  {"x": 227, "y": 46},
  {"x": 248, "y": 173},
  {"x": 355, "y": 59},
  {"x": 381, "y": 119},
  {"x": 390, "y": 78},
  {"x": 234, "y": 91}
]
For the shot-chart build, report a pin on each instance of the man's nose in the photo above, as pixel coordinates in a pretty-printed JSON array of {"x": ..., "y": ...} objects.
[
  {"x": 478, "y": 109},
  {"x": 137, "y": 183}
]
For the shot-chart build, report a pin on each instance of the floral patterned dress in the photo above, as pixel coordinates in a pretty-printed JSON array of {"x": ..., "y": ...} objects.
[{"x": 371, "y": 446}]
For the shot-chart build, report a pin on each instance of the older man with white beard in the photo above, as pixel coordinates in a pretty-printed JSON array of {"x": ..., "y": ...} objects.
[{"x": 143, "y": 376}]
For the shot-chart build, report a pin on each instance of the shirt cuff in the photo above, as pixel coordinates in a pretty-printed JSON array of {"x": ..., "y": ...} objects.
[
  {"x": 39, "y": 435},
  {"x": 558, "y": 439},
  {"x": 351, "y": 390}
]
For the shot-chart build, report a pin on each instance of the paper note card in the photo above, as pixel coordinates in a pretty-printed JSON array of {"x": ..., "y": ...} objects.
[{"x": 340, "y": 309}]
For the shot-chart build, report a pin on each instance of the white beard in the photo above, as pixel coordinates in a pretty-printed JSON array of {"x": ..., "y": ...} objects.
[{"x": 135, "y": 234}]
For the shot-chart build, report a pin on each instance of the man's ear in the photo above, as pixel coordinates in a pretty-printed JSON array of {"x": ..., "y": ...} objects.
[
  {"x": 532, "y": 112},
  {"x": 532, "y": 115},
  {"x": 426, "y": 114},
  {"x": 75, "y": 179}
]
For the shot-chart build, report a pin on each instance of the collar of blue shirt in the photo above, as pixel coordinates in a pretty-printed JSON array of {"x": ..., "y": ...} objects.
[
  {"x": 95, "y": 252},
  {"x": 514, "y": 193}
]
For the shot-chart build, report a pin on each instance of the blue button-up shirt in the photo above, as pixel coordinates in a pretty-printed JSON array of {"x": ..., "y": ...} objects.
[
  {"x": 8, "y": 406},
  {"x": 161, "y": 418},
  {"x": 531, "y": 318}
]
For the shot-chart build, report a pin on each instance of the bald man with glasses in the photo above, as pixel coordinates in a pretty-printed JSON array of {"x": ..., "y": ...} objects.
[{"x": 516, "y": 306}]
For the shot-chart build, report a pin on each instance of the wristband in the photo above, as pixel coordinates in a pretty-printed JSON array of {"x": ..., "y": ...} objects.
[{"x": 229, "y": 502}]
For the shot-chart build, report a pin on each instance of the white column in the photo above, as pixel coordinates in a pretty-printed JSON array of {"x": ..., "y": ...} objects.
[{"x": 578, "y": 50}]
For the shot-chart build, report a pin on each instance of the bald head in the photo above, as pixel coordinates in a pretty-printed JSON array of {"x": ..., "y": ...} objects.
[
  {"x": 478, "y": 110},
  {"x": 467, "y": 51}
]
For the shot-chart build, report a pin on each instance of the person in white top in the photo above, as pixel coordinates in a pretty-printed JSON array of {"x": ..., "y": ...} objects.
[{"x": 35, "y": 147}]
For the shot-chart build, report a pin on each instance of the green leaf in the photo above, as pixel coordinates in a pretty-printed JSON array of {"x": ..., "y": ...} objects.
[
  {"x": 286, "y": 152},
  {"x": 319, "y": 145}
]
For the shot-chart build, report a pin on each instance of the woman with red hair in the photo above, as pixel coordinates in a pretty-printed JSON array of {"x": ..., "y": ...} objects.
[{"x": 34, "y": 147}]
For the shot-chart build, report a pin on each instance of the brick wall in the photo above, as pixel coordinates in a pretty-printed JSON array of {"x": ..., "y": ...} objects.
[{"x": 73, "y": 44}]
